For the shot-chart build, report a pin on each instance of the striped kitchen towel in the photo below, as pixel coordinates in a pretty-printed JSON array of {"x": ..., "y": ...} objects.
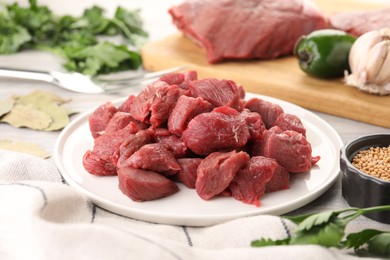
[{"x": 41, "y": 217}]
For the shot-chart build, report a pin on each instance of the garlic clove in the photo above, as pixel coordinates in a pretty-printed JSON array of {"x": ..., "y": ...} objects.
[
  {"x": 375, "y": 58},
  {"x": 385, "y": 32},
  {"x": 383, "y": 76},
  {"x": 369, "y": 61},
  {"x": 359, "y": 50}
]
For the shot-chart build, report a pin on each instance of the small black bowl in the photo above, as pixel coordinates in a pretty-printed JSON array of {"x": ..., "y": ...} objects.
[{"x": 360, "y": 189}]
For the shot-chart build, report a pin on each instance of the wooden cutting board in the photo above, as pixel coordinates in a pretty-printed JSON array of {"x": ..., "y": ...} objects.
[{"x": 280, "y": 78}]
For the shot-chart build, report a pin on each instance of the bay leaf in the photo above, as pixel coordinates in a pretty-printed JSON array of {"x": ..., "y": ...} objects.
[
  {"x": 27, "y": 116},
  {"x": 35, "y": 97},
  {"x": 24, "y": 147},
  {"x": 47, "y": 103},
  {"x": 59, "y": 115},
  {"x": 6, "y": 106}
]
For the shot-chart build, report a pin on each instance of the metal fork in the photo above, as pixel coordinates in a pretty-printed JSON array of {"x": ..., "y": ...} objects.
[{"x": 81, "y": 83}]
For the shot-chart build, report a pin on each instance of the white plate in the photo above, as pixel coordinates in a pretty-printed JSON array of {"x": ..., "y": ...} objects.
[{"x": 185, "y": 207}]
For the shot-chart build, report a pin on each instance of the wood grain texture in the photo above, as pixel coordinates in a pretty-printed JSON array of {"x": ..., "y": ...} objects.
[{"x": 280, "y": 78}]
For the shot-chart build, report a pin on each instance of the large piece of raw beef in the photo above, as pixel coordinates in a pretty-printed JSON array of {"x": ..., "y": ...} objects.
[
  {"x": 232, "y": 29},
  {"x": 359, "y": 22}
]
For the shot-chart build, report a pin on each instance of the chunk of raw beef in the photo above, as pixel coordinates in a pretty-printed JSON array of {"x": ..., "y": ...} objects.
[
  {"x": 289, "y": 148},
  {"x": 101, "y": 160},
  {"x": 100, "y": 118},
  {"x": 154, "y": 157},
  {"x": 126, "y": 106},
  {"x": 288, "y": 121},
  {"x": 260, "y": 146},
  {"x": 269, "y": 111},
  {"x": 143, "y": 185},
  {"x": 122, "y": 119},
  {"x": 186, "y": 108},
  {"x": 187, "y": 174},
  {"x": 131, "y": 144},
  {"x": 280, "y": 180},
  {"x": 250, "y": 182},
  {"x": 182, "y": 79},
  {"x": 217, "y": 92},
  {"x": 118, "y": 121},
  {"x": 97, "y": 166},
  {"x": 255, "y": 124},
  {"x": 163, "y": 104},
  {"x": 174, "y": 143},
  {"x": 140, "y": 108},
  {"x": 219, "y": 129},
  {"x": 359, "y": 22},
  {"x": 231, "y": 29},
  {"x": 216, "y": 172}
]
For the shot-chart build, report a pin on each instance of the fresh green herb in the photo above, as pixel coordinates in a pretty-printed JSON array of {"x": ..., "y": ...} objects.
[
  {"x": 12, "y": 36},
  {"x": 78, "y": 39},
  {"x": 101, "y": 58},
  {"x": 328, "y": 229}
]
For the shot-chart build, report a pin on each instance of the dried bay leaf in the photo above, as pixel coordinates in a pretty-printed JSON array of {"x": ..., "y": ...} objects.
[
  {"x": 24, "y": 147},
  {"x": 39, "y": 110},
  {"x": 59, "y": 115},
  {"x": 47, "y": 103},
  {"x": 6, "y": 106},
  {"x": 27, "y": 116},
  {"x": 36, "y": 96}
]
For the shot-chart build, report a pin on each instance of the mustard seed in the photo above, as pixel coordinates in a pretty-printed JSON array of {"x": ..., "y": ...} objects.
[{"x": 374, "y": 161}]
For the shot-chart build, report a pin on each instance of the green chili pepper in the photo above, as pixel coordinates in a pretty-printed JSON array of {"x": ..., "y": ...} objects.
[{"x": 324, "y": 53}]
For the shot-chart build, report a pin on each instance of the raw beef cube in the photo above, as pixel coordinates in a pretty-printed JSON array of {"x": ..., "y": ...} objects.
[
  {"x": 360, "y": 22},
  {"x": 241, "y": 92},
  {"x": 143, "y": 185},
  {"x": 140, "y": 108},
  {"x": 259, "y": 146},
  {"x": 125, "y": 107},
  {"x": 185, "y": 109},
  {"x": 217, "y": 92},
  {"x": 181, "y": 79},
  {"x": 232, "y": 29},
  {"x": 289, "y": 148},
  {"x": 163, "y": 103},
  {"x": 187, "y": 174},
  {"x": 216, "y": 171},
  {"x": 131, "y": 144},
  {"x": 175, "y": 144},
  {"x": 175, "y": 78},
  {"x": 188, "y": 77},
  {"x": 155, "y": 157},
  {"x": 250, "y": 182},
  {"x": 290, "y": 122},
  {"x": 100, "y": 118},
  {"x": 280, "y": 180},
  {"x": 255, "y": 124},
  {"x": 118, "y": 121},
  {"x": 106, "y": 152},
  {"x": 269, "y": 111},
  {"x": 95, "y": 165},
  {"x": 219, "y": 129}
]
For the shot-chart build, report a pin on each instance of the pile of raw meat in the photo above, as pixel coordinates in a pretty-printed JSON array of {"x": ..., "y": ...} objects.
[
  {"x": 262, "y": 29},
  {"x": 201, "y": 133}
]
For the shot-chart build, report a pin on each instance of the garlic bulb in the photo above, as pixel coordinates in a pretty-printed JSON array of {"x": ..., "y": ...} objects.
[{"x": 369, "y": 61}]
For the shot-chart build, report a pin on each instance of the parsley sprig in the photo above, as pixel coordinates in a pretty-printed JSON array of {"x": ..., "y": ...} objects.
[
  {"x": 78, "y": 39},
  {"x": 328, "y": 229}
]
